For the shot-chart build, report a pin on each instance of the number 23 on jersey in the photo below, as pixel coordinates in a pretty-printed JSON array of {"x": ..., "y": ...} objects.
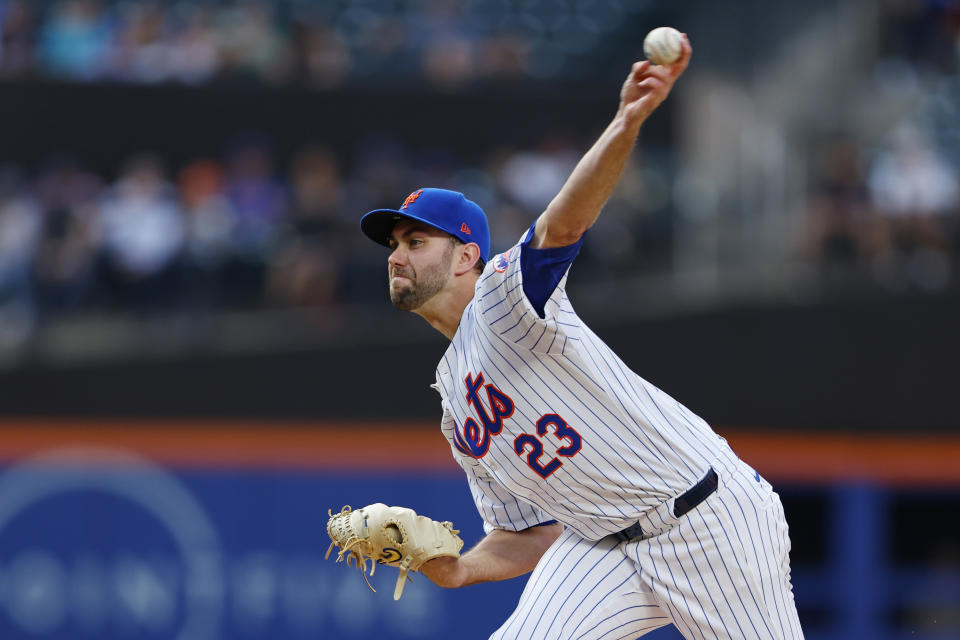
[{"x": 474, "y": 438}]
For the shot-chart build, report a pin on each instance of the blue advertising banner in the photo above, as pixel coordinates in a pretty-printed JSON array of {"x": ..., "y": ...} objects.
[{"x": 105, "y": 544}]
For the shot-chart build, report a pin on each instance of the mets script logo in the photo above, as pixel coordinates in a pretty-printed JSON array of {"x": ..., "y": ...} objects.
[
  {"x": 551, "y": 430},
  {"x": 474, "y": 439},
  {"x": 411, "y": 198}
]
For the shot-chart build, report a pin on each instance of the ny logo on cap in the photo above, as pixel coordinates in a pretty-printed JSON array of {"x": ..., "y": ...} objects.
[
  {"x": 410, "y": 198},
  {"x": 464, "y": 228}
]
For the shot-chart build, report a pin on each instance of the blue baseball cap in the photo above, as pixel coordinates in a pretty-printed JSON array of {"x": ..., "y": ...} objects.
[{"x": 449, "y": 211}]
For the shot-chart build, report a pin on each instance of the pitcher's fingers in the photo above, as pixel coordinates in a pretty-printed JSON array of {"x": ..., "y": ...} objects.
[
  {"x": 651, "y": 84},
  {"x": 639, "y": 68},
  {"x": 666, "y": 74},
  {"x": 685, "y": 52}
]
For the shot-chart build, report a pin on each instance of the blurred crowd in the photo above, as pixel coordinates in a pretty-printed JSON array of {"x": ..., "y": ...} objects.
[
  {"x": 892, "y": 216},
  {"x": 254, "y": 229},
  {"x": 322, "y": 44},
  {"x": 887, "y": 210},
  {"x": 249, "y": 230}
]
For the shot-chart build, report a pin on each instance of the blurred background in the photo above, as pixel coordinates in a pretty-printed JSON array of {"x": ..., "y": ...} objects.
[{"x": 197, "y": 353}]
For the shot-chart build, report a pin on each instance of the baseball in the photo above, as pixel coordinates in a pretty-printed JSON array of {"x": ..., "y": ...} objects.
[{"x": 663, "y": 45}]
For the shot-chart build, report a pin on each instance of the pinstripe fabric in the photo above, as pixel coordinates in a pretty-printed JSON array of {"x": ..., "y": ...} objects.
[
  {"x": 584, "y": 590},
  {"x": 549, "y": 424},
  {"x": 719, "y": 572},
  {"x": 722, "y": 571}
]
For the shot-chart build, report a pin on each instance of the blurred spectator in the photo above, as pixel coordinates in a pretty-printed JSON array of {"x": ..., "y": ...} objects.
[
  {"x": 141, "y": 51},
  {"x": 635, "y": 234},
  {"x": 19, "y": 235},
  {"x": 258, "y": 199},
  {"x": 533, "y": 177},
  {"x": 19, "y": 232},
  {"x": 65, "y": 265},
  {"x": 210, "y": 227},
  {"x": 322, "y": 55},
  {"x": 449, "y": 62},
  {"x": 255, "y": 193},
  {"x": 249, "y": 43},
  {"x": 210, "y": 218},
  {"x": 841, "y": 225},
  {"x": 383, "y": 169},
  {"x": 449, "y": 55},
  {"x": 17, "y": 34},
  {"x": 193, "y": 57},
  {"x": 914, "y": 189},
  {"x": 143, "y": 235},
  {"x": 306, "y": 267},
  {"x": 505, "y": 56},
  {"x": 75, "y": 39}
]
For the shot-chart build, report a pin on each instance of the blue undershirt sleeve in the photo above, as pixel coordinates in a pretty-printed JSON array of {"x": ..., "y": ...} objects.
[{"x": 544, "y": 268}]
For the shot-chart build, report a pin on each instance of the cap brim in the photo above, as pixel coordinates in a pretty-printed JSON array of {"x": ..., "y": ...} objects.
[{"x": 379, "y": 223}]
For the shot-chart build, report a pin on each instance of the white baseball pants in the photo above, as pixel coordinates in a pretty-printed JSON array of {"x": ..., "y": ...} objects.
[{"x": 720, "y": 572}]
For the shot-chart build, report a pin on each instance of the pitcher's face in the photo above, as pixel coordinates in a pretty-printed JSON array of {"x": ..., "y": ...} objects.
[{"x": 419, "y": 266}]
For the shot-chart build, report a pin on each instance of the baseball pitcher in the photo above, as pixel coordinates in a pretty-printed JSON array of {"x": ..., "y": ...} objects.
[{"x": 630, "y": 511}]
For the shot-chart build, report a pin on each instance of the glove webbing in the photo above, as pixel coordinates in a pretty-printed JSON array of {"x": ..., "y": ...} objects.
[{"x": 342, "y": 526}]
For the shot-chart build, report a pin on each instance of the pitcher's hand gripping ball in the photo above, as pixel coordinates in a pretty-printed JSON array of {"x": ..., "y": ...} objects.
[{"x": 395, "y": 536}]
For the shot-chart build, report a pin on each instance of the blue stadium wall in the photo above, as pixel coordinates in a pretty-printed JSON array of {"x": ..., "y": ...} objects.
[{"x": 175, "y": 530}]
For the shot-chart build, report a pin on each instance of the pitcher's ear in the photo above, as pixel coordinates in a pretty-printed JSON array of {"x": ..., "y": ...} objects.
[{"x": 469, "y": 255}]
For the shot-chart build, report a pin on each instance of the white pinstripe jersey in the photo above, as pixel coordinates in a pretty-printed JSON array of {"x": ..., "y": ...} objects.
[{"x": 548, "y": 423}]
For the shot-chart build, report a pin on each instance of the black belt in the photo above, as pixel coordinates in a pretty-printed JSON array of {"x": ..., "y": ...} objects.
[{"x": 684, "y": 503}]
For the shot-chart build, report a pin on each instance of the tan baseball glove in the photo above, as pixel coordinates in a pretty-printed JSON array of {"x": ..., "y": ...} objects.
[{"x": 394, "y": 536}]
